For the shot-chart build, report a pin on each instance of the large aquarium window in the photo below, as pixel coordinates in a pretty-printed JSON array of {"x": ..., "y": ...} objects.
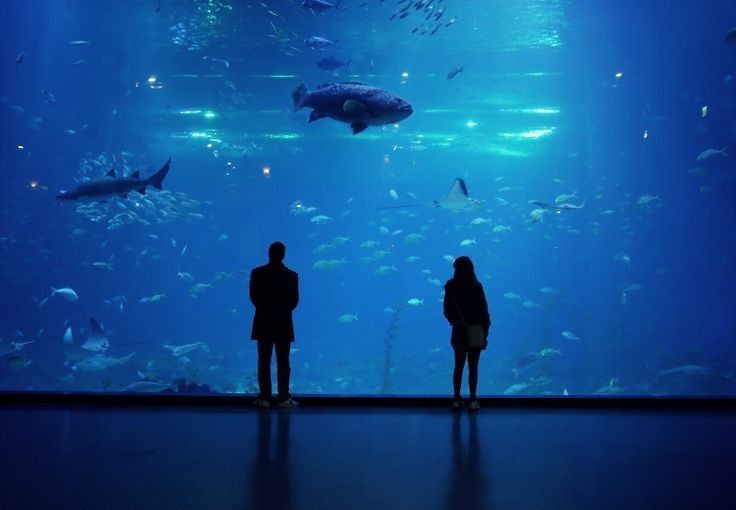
[{"x": 578, "y": 152}]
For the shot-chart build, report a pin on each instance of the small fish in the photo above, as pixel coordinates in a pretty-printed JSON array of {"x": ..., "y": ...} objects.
[
  {"x": 199, "y": 288},
  {"x": 319, "y": 5},
  {"x": 537, "y": 214},
  {"x": 564, "y": 197},
  {"x": 19, "y": 59},
  {"x": 65, "y": 292},
  {"x": 186, "y": 277},
  {"x": 709, "y": 153},
  {"x": 455, "y": 72},
  {"x": 320, "y": 219},
  {"x": 328, "y": 264},
  {"x": 413, "y": 238},
  {"x": 646, "y": 199},
  {"x": 80, "y": 42},
  {"x": 392, "y": 193},
  {"x": 415, "y": 302},
  {"x": 221, "y": 61},
  {"x": 48, "y": 97},
  {"x": 153, "y": 299},
  {"x": 730, "y": 36},
  {"x": 347, "y": 318},
  {"x": 570, "y": 336}
]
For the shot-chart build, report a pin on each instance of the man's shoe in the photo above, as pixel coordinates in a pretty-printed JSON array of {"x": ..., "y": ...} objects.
[
  {"x": 288, "y": 403},
  {"x": 262, "y": 402}
]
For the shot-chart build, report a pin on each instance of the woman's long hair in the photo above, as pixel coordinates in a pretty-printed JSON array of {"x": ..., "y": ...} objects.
[{"x": 464, "y": 270}]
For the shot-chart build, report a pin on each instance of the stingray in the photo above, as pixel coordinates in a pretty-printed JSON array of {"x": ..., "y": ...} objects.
[
  {"x": 96, "y": 342},
  {"x": 456, "y": 199}
]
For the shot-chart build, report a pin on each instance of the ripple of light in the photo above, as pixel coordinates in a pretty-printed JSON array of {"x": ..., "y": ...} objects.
[{"x": 532, "y": 134}]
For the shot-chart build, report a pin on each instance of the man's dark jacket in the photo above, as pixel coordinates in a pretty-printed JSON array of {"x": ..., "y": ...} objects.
[{"x": 274, "y": 291}]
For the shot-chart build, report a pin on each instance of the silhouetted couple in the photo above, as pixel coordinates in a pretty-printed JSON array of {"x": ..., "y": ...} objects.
[{"x": 274, "y": 291}]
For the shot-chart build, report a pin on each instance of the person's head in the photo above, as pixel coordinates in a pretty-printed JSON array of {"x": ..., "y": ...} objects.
[
  {"x": 464, "y": 269},
  {"x": 276, "y": 252}
]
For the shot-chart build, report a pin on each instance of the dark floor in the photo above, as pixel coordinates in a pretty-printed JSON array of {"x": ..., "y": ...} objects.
[{"x": 365, "y": 458}]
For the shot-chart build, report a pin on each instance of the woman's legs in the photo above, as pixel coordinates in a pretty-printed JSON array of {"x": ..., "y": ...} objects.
[
  {"x": 457, "y": 374},
  {"x": 473, "y": 359}
]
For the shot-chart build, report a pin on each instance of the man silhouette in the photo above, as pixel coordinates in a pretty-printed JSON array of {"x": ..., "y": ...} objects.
[{"x": 274, "y": 291}]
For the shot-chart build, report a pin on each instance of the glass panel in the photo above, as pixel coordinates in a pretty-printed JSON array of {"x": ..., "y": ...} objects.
[{"x": 592, "y": 142}]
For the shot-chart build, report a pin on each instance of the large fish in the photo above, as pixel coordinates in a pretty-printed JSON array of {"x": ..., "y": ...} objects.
[
  {"x": 730, "y": 36},
  {"x": 112, "y": 186},
  {"x": 353, "y": 103},
  {"x": 332, "y": 63},
  {"x": 100, "y": 362},
  {"x": 558, "y": 207}
]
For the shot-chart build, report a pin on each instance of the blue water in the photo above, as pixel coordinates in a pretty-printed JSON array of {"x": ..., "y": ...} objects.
[{"x": 601, "y": 100}]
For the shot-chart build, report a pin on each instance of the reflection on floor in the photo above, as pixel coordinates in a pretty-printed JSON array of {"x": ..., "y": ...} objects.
[{"x": 365, "y": 458}]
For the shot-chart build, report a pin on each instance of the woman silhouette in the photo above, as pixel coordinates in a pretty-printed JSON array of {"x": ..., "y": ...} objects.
[{"x": 466, "y": 310}]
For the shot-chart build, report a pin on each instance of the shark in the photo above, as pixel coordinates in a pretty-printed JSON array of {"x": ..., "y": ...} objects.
[{"x": 111, "y": 185}]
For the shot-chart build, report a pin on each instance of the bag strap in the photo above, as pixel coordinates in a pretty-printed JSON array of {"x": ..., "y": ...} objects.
[{"x": 459, "y": 313}]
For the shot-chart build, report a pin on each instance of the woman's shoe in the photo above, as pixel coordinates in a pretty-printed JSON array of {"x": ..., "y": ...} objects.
[
  {"x": 288, "y": 403},
  {"x": 474, "y": 405},
  {"x": 457, "y": 404}
]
